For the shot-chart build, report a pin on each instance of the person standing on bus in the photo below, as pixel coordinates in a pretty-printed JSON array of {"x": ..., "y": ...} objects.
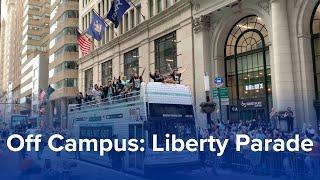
[
  {"x": 118, "y": 86},
  {"x": 175, "y": 74},
  {"x": 109, "y": 91},
  {"x": 157, "y": 77},
  {"x": 136, "y": 81}
]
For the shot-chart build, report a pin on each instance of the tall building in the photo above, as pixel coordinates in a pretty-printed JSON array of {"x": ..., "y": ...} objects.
[
  {"x": 63, "y": 57},
  {"x": 10, "y": 54},
  {"x": 36, "y": 17},
  {"x": 2, "y": 26}
]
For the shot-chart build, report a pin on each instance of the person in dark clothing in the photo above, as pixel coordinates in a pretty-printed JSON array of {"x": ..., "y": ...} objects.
[
  {"x": 79, "y": 99},
  {"x": 175, "y": 74},
  {"x": 86, "y": 98},
  {"x": 136, "y": 81},
  {"x": 157, "y": 77},
  {"x": 109, "y": 90},
  {"x": 118, "y": 86},
  {"x": 290, "y": 117}
]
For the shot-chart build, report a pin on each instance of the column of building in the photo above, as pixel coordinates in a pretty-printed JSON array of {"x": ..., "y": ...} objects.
[
  {"x": 202, "y": 63},
  {"x": 281, "y": 66}
]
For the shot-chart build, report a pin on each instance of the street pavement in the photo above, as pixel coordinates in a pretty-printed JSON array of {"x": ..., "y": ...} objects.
[{"x": 10, "y": 170}]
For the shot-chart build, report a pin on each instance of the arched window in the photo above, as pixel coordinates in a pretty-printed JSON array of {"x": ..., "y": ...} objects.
[
  {"x": 247, "y": 64},
  {"x": 315, "y": 34}
]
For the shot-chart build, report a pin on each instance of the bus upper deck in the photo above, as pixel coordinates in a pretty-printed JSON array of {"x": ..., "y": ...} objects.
[{"x": 158, "y": 93}]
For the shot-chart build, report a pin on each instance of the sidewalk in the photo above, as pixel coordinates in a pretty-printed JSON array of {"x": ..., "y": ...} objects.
[{"x": 82, "y": 170}]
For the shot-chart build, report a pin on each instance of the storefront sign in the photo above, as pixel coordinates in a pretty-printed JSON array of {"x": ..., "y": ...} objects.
[{"x": 251, "y": 104}]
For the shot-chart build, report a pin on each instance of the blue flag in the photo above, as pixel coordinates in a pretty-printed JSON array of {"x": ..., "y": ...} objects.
[
  {"x": 117, "y": 10},
  {"x": 97, "y": 27}
]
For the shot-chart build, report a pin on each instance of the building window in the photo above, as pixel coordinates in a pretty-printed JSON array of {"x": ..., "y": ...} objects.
[
  {"x": 131, "y": 63},
  {"x": 88, "y": 79},
  {"x": 315, "y": 32},
  {"x": 168, "y": 3},
  {"x": 159, "y": 5},
  {"x": 68, "y": 82},
  {"x": 67, "y": 48},
  {"x": 166, "y": 53},
  {"x": 151, "y": 13},
  {"x": 66, "y": 65},
  {"x": 247, "y": 63},
  {"x": 138, "y": 14},
  {"x": 106, "y": 73},
  {"x": 126, "y": 22},
  {"x": 132, "y": 19}
]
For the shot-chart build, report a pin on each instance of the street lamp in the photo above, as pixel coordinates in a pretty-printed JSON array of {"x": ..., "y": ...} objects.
[{"x": 207, "y": 107}]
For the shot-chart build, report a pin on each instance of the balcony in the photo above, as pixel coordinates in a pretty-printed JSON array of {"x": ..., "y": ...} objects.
[
  {"x": 65, "y": 56},
  {"x": 71, "y": 22},
  {"x": 71, "y": 5},
  {"x": 67, "y": 92},
  {"x": 63, "y": 75},
  {"x": 64, "y": 40}
]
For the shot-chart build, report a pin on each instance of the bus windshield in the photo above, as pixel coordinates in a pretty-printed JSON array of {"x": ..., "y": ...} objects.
[
  {"x": 170, "y": 110},
  {"x": 183, "y": 128}
]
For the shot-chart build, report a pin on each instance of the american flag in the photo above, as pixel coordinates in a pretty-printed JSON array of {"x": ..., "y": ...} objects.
[{"x": 84, "y": 43}]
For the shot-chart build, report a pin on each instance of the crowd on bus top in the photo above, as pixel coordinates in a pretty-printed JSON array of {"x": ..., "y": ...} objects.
[{"x": 122, "y": 86}]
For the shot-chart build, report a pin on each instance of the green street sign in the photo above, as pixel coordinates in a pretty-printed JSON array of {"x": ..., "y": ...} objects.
[{"x": 224, "y": 93}]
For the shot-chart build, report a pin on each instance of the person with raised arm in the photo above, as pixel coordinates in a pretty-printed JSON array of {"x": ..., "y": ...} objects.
[
  {"x": 175, "y": 74},
  {"x": 157, "y": 77},
  {"x": 136, "y": 81}
]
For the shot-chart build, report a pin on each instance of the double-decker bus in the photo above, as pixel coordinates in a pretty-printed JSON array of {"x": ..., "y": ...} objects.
[{"x": 157, "y": 108}]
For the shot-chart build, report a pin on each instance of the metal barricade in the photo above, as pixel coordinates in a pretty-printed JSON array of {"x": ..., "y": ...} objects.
[{"x": 297, "y": 165}]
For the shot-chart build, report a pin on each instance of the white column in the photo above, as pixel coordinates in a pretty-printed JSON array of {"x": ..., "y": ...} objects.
[
  {"x": 283, "y": 86},
  {"x": 201, "y": 27}
]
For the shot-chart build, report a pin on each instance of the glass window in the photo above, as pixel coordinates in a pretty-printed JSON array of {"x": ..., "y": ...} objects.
[
  {"x": 245, "y": 50},
  {"x": 138, "y": 14},
  {"x": 131, "y": 63},
  {"x": 106, "y": 73},
  {"x": 315, "y": 31},
  {"x": 68, "y": 82},
  {"x": 67, "y": 48},
  {"x": 151, "y": 8},
  {"x": 166, "y": 52},
  {"x": 88, "y": 79},
  {"x": 66, "y": 65},
  {"x": 159, "y": 5}
]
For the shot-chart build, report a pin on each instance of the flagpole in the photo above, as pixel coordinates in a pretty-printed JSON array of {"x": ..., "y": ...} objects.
[
  {"x": 104, "y": 19},
  {"x": 101, "y": 17},
  {"x": 84, "y": 33}
]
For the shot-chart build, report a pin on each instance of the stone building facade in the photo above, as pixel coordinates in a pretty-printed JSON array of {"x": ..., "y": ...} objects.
[
  {"x": 290, "y": 47},
  {"x": 266, "y": 52}
]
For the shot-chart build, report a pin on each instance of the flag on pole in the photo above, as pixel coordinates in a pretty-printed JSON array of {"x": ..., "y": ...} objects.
[
  {"x": 97, "y": 26},
  {"x": 84, "y": 43},
  {"x": 50, "y": 90},
  {"x": 117, "y": 10}
]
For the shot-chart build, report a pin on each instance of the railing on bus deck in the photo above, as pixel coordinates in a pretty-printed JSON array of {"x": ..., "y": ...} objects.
[{"x": 133, "y": 96}]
